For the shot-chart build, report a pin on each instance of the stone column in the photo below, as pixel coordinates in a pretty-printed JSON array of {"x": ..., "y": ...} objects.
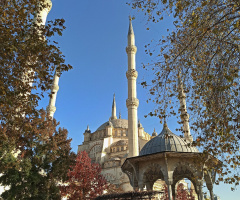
[
  {"x": 140, "y": 185},
  {"x": 199, "y": 190},
  {"x": 210, "y": 188},
  {"x": 149, "y": 186},
  {"x": 169, "y": 185},
  {"x": 173, "y": 191},
  {"x": 132, "y": 101}
]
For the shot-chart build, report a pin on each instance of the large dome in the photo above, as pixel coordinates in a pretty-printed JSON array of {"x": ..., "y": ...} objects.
[
  {"x": 116, "y": 123},
  {"x": 166, "y": 141}
]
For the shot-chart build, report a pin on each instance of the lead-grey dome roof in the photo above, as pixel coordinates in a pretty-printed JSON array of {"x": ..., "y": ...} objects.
[
  {"x": 166, "y": 141},
  {"x": 116, "y": 123}
]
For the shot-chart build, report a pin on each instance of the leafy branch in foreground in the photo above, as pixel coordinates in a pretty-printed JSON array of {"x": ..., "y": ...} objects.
[
  {"x": 204, "y": 50},
  {"x": 28, "y": 56},
  {"x": 33, "y": 154}
]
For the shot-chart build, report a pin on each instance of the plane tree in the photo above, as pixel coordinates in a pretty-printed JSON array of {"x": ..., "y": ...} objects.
[
  {"x": 33, "y": 152},
  {"x": 203, "y": 51}
]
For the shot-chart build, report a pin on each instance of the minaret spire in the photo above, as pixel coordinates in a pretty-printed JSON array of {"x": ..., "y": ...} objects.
[
  {"x": 132, "y": 101},
  {"x": 130, "y": 29},
  {"x": 52, "y": 101},
  {"x": 114, "y": 110},
  {"x": 183, "y": 110}
]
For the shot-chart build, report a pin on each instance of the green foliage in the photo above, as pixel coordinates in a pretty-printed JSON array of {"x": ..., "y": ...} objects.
[
  {"x": 34, "y": 169},
  {"x": 203, "y": 51}
]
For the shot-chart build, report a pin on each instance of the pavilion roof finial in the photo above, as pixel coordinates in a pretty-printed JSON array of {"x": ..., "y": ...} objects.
[{"x": 165, "y": 121}]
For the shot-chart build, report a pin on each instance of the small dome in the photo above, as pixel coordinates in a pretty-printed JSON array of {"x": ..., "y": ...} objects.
[
  {"x": 166, "y": 141},
  {"x": 116, "y": 123},
  {"x": 154, "y": 133},
  {"x": 88, "y": 130}
]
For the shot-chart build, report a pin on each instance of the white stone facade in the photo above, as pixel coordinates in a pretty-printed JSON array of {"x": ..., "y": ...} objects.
[{"x": 108, "y": 146}]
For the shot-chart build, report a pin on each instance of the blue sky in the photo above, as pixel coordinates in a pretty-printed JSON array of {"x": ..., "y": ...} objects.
[{"x": 94, "y": 44}]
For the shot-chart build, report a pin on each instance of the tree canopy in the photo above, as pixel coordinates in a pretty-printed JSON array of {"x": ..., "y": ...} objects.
[
  {"x": 34, "y": 153},
  {"x": 203, "y": 51},
  {"x": 28, "y": 56}
]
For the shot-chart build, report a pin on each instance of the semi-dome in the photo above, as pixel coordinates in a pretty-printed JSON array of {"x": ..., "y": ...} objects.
[
  {"x": 166, "y": 141},
  {"x": 120, "y": 143},
  {"x": 115, "y": 159},
  {"x": 115, "y": 123}
]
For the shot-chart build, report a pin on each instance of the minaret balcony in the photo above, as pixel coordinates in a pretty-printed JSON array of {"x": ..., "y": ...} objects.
[
  {"x": 132, "y": 102},
  {"x": 55, "y": 88},
  {"x": 131, "y": 49},
  {"x": 132, "y": 73}
]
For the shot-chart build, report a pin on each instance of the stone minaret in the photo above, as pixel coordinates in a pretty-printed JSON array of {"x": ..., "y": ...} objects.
[
  {"x": 132, "y": 101},
  {"x": 183, "y": 110},
  {"x": 114, "y": 110},
  {"x": 41, "y": 17},
  {"x": 52, "y": 101}
]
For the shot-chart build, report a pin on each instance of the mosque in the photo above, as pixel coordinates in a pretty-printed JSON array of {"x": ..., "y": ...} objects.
[
  {"x": 118, "y": 140},
  {"x": 131, "y": 158}
]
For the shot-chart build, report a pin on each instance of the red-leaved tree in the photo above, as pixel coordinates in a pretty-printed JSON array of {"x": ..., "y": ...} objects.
[
  {"x": 84, "y": 179},
  {"x": 182, "y": 193},
  {"x": 165, "y": 195}
]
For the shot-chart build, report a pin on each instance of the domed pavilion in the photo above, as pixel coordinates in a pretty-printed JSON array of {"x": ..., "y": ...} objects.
[{"x": 170, "y": 158}]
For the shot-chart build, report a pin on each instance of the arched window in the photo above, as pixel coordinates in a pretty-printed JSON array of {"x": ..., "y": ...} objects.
[{"x": 122, "y": 148}]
